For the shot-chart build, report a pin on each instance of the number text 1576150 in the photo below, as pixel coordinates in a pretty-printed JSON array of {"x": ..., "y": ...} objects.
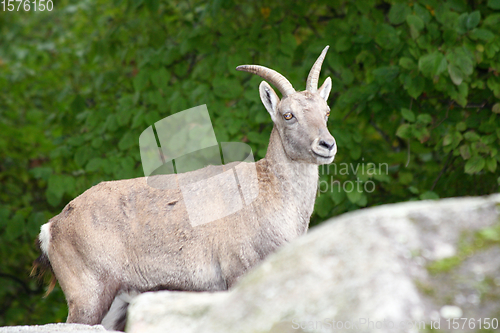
[{"x": 26, "y": 5}]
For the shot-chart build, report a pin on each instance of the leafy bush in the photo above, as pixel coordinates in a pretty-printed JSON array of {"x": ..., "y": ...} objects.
[{"x": 415, "y": 101}]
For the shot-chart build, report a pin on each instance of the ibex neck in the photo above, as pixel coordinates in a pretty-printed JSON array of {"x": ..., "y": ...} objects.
[
  {"x": 298, "y": 180},
  {"x": 275, "y": 151}
]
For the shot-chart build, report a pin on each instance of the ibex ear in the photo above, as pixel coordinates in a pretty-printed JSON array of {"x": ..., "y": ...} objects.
[
  {"x": 324, "y": 90},
  {"x": 269, "y": 99}
]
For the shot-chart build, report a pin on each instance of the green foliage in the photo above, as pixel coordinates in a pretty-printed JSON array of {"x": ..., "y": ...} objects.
[{"x": 415, "y": 101}]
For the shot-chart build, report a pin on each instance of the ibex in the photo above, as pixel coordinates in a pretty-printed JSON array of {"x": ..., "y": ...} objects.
[{"x": 124, "y": 237}]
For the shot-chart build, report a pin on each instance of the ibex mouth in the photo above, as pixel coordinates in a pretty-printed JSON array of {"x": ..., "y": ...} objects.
[
  {"x": 321, "y": 155},
  {"x": 322, "y": 158}
]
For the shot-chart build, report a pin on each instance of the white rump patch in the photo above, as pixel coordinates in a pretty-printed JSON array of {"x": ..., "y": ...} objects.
[{"x": 44, "y": 238}]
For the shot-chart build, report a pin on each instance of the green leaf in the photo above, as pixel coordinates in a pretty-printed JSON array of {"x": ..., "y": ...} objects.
[
  {"x": 352, "y": 192},
  {"x": 362, "y": 201},
  {"x": 449, "y": 36},
  {"x": 78, "y": 104},
  {"x": 404, "y": 131},
  {"x": 414, "y": 85},
  {"x": 160, "y": 78},
  {"x": 465, "y": 151},
  {"x": 416, "y": 25},
  {"x": 52, "y": 198},
  {"x": 405, "y": 178},
  {"x": 4, "y": 216},
  {"x": 386, "y": 74},
  {"x": 483, "y": 34},
  {"x": 41, "y": 173},
  {"x": 337, "y": 193},
  {"x": 111, "y": 123},
  {"x": 35, "y": 221},
  {"x": 429, "y": 195},
  {"x": 496, "y": 108},
  {"x": 407, "y": 63},
  {"x": 15, "y": 227},
  {"x": 456, "y": 74},
  {"x": 461, "y": 126},
  {"x": 422, "y": 12},
  {"x": 323, "y": 205},
  {"x": 127, "y": 141},
  {"x": 68, "y": 183},
  {"x": 473, "y": 20},
  {"x": 471, "y": 136},
  {"x": 94, "y": 164},
  {"x": 355, "y": 152},
  {"x": 387, "y": 37},
  {"x": 97, "y": 142},
  {"x": 453, "y": 138},
  {"x": 491, "y": 164},
  {"x": 432, "y": 64},
  {"x": 492, "y": 20},
  {"x": 82, "y": 155},
  {"x": 413, "y": 189},
  {"x": 494, "y": 4},
  {"x": 346, "y": 75},
  {"x": 421, "y": 133},
  {"x": 448, "y": 139},
  {"x": 463, "y": 91},
  {"x": 343, "y": 44},
  {"x": 424, "y": 118},
  {"x": 227, "y": 87},
  {"x": 138, "y": 119},
  {"x": 464, "y": 62},
  {"x": 151, "y": 117},
  {"x": 398, "y": 13},
  {"x": 474, "y": 165},
  {"x": 462, "y": 23},
  {"x": 494, "y": 84},
  {"x": 458, "y": 5},
  {"x": 408, "y": 115},
  {"x": 152, "y": 5},
  {"x": 141, "y": 80},
  {"x": 55, "y": 186}
]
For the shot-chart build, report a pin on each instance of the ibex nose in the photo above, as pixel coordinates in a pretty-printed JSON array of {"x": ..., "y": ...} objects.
[{"x": 328, "y": 144}]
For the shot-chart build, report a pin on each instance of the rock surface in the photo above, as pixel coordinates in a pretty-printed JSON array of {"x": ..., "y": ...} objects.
[
  {"x": 49, "y": 328},
  {"x": 393, "y": 268}
]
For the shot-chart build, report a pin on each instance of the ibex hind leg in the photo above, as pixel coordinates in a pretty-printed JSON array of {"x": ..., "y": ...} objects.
[
  {"x": 88, "y": 301},
  {"x": 87, "y": 309}
]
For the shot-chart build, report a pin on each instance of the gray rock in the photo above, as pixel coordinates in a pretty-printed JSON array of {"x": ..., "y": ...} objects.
[
  {"x": 393, "y": 268},
  {"x": 49, "y": 328}
]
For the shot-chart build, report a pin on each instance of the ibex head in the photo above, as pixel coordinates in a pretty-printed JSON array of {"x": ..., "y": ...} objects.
[{"x": 300, "y": 116}]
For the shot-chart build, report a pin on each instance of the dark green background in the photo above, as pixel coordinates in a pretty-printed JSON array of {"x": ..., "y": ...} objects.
[{"x": 416, "y": 85}]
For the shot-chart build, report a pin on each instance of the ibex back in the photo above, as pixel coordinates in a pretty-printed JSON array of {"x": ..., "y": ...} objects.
[{"x": 124, "y": 237}]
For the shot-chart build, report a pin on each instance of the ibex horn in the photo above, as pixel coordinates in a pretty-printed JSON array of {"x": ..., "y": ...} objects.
[
  {"x": 312, "y": 79},
  {"x": 278, "y": 80}
]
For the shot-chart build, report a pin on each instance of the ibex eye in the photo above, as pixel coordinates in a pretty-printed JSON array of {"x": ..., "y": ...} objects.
[
  {"x": 288, "y": 116},
  {"x": 328, "y": 113}
]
